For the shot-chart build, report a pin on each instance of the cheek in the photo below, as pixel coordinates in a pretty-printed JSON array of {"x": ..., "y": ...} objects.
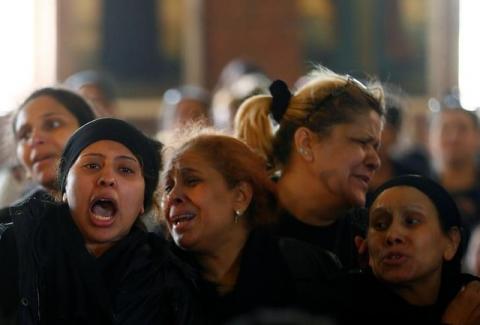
[{"x": 23, "y": 155}]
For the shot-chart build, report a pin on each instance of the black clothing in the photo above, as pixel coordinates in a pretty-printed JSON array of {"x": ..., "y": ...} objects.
[
  {"x": 359, "y": 298},
  {"x": 274, "y": 273},
  {"x": 52, "y": 279},
  {"x": 337, "y": 238},
  {"x": 37, "y": 192}
]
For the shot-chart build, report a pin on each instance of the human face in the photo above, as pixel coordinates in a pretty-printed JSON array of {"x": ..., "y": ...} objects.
[
  {"x": 199, "y": 205},
  {"x": 96, "y": 98},
  {"x": 43, "y": 126},
  {"x": 454, "y": 137},
  {"x": 189, "y": 110},
  {"x": 105, "y": 191},
  {"x": 405, "y": 241},
  {"x": 346, "y": 159}
]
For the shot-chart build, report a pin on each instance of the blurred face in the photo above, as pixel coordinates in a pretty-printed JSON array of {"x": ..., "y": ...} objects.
[
  {"x": 94, "y": 95},
  {"x": 189, "y": 110},
  {"x": 43, "y": 127},
  {"x": 105, "y": 191},
  {"x": 405, "y": 241},
  {"x": 454, "y": 137},
  {"x": 347, "y": 158},
  {"x": 199, "y": 205}
]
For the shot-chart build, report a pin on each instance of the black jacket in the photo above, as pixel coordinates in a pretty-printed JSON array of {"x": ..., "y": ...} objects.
[
  {"x": 275, "y": 273},
  {"x": 359, "y": 298},
  {"x": 337, "y": 238},
  {"x": 48, "y": 276}
]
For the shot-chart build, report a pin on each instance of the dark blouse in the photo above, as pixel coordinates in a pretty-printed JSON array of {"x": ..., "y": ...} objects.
[
  {"x": 359, "y": 298},
  {"x": 274, "y": 273},
  {"x": 337, "y": 238},
  {"x": 137, "y": 281}
]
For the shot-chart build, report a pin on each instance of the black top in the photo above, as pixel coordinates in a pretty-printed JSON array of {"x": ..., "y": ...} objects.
[
  {"x": 359, "y": 298},
  {"x": 274, "y": 273},
  {"x": 337, "y": 237},
  {"x": 48, "y": 277}
]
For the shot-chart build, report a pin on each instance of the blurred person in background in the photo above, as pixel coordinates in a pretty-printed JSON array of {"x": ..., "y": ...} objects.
[
  {"x": 471, "y": 262},
  {"x": 182, "y": 106},
  {"x": 454, "y": 145},
  {"x": 238, "y": 81},
  {"x": 394, "y": 114},
  {"x": 41, "y": 126},
  {"x": 98, "y": 88}
]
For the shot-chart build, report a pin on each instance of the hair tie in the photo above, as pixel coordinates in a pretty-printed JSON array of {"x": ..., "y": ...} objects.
[{"x": 280, "y": 99}]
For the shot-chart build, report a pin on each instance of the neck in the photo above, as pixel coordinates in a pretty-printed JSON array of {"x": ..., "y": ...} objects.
[
  {"x": 221, "y": 265},
  {"x": 459, "y": 175},
  {"x": 98, "y": 250},
  {"x": 306, "y": 201},
  {"x": 422, "y": 293}
]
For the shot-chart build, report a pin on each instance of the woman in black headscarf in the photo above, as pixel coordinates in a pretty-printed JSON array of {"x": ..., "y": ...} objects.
[
  {"x": 86, "y": 260},
  {"x": 415, "y": 246}
]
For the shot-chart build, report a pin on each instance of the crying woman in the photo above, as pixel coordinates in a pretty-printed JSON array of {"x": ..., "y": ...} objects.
[{"x": 84, "y": 260}]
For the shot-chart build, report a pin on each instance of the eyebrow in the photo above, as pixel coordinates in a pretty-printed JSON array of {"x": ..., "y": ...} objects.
[
  {"x": 48, "y": 114},
  {"x": 121, "y": 157}
]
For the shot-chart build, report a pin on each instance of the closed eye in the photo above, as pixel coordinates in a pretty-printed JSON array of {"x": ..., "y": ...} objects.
[{"x": 192, "y": 181}]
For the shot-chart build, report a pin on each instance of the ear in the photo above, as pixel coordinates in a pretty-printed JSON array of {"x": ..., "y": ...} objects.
[
  {"x": 64, "y": 198},
  {"x": 453, "y": 241},
  {"x": 243, "y": 196},
  {"x": 142, "y": 210},
  {"x": 303, "y": 143}
]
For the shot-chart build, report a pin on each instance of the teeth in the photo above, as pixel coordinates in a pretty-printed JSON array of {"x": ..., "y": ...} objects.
[
  {"x": 102, "y": 218},
  {"x": 182, "y": 218}
]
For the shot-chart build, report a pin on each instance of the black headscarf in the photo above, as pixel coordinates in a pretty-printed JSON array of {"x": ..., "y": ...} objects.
[
  {"x": 144, "y": 148},
  {"x": 447, "y": 210}
]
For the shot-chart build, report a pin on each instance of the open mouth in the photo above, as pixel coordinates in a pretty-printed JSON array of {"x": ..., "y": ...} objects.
[
  {"x": 103, "y": 209},
  {"x": 181, "y": 218},
  {"x": 394, "y": 258}
]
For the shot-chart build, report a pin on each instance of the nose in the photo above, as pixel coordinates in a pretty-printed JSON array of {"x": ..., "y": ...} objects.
[
  {"x": 175, "y": 196},
  {"x": 106, "y": 179},
  {"x": 37, "y": 137},
  {"x": 372, "y": 159},
  {"x": 394, "y": 235}
]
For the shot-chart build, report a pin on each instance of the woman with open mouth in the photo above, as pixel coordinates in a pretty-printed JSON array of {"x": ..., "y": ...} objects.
[
  {"x": 322, "y": 147},
  {"x": 217, "y": 195},
  {"x": 86, "y": 259},
  {"x": 415, "y": 246}
]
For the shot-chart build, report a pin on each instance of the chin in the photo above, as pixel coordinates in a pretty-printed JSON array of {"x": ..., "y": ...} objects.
[{"x": 357, "y": 200}]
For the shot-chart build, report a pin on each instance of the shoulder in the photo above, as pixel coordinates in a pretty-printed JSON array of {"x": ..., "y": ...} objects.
[{"x": 305, "y": 258}]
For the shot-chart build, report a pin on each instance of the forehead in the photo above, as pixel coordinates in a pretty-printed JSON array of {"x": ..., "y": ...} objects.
[
  {"x": 401, "y": 197},
  {"x": 41, "y": 106},
  {"x": 189, "y": 159},
  {"x": 456, "y": 116},
  {"x": 108, "y": 147},
  {"x": 369, "y": 122}
]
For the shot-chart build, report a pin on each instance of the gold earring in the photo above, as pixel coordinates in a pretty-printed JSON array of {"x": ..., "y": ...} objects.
[
  {"x": 302, "y": 151},
  {"x": 237, "y": 215}
]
